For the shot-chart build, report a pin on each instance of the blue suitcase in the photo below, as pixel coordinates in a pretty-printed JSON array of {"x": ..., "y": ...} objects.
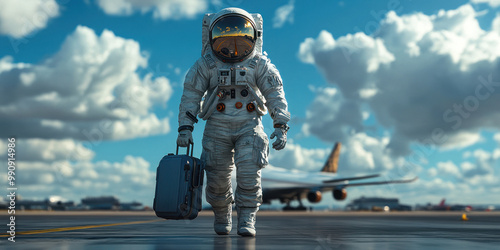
[{"x": 179, "y": 185}]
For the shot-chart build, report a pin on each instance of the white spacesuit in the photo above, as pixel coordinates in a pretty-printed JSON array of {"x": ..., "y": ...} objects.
[{"x": 238, "y": 84}]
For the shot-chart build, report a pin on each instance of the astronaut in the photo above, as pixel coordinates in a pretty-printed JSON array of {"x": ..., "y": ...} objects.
[{"x": 231, "y": 86}]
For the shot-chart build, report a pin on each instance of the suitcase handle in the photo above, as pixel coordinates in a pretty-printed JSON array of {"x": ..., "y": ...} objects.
[
  {"x": 187, "y": 150},
  {"x": 197, "y": 175}
]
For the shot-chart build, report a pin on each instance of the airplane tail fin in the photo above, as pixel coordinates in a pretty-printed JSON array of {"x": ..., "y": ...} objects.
[
  {"x": 441, "y": 204},
  {"x": 332, "y": 162}
]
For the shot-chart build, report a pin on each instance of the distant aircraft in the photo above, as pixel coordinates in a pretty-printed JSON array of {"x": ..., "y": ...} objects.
[
  {"x": 288, "y": 185},
  {"x": 442, "y": 206}
]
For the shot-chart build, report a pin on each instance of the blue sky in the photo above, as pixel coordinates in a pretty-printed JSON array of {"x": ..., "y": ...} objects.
[{"x": 378, "y": 76}]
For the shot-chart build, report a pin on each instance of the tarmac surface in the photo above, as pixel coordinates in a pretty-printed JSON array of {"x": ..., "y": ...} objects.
[{"x": 275, "y": 230}]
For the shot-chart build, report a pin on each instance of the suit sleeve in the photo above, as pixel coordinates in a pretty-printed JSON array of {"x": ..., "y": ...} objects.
[
  {"x": 271, "y": 86},
  {"x": 195, "y": 85}
]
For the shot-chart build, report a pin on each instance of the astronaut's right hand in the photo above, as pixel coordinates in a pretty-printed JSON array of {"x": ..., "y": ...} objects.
[{"x": 185, "y": 138}]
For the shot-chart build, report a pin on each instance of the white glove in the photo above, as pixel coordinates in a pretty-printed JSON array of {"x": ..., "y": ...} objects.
[
  {"x": 185, "y": 138},
  {"x": 280, "y": 134}
]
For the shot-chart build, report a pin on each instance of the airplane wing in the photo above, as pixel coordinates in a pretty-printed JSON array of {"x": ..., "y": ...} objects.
[
  {"x": 347, "y": 183},
  {"x": 352, "y": 178},
  {"x": 380, "y": 182},
  {"x": 341, "y": 183}
]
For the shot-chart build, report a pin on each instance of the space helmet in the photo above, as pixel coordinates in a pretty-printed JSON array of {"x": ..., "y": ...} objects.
[{"x": 232, "y": 35}]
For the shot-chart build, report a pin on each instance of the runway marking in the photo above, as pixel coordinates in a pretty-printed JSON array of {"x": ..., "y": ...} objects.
[{"x": 62, "y": 229}]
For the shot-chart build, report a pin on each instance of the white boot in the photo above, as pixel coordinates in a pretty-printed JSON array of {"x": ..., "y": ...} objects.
[
  {"x": 246, "y": 220},
  {"x": 223, "y": 220}
]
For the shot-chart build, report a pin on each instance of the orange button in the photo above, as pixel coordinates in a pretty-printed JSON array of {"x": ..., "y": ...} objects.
[
  {"x": 221, "y": 107},
  {"x": 251, "y": 107},
  {"x": 238, "y": 105}
]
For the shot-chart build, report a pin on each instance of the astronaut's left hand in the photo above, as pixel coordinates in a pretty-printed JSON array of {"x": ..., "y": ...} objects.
[{"x": 280, "y": 134}]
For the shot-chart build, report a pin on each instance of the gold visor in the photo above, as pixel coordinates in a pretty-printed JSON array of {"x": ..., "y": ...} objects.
[{"x": 232, "y": 38}]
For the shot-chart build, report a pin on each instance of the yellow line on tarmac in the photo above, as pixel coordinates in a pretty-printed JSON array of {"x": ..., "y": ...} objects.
[{"x": 62, "y": 229}]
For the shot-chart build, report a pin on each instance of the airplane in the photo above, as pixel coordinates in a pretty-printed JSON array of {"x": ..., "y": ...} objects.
[
  {"x": 289, "y": 185},
  {"x": 442, "y": 206}
]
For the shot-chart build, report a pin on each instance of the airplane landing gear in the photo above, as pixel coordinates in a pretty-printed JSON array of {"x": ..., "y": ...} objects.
[{"x": 300, "y": 207}]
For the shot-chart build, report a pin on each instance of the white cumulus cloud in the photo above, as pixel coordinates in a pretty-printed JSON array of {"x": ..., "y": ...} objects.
[
  {"x": 445, "y": 168},
  {"x": 89, "y": 90},
  {"x": 284, "y": 14},
  {"x": 492, "y": 3},
  {"x": 20, "y": 18},
  {"x": 161, "y": 9},
  {"x": 483, "y": 166},
  {"x": 497, "y": 137},
  {"x": 129, "y": 180},
  {"x": 66, "y": 168},
  {"x": 293, "y": 156},
  {"x": 479, "y": 171},
  {"x": 344, "y": 116},
  {"x": 360, "y": 154},
  {"x": 41, "y": 150},
  {"x": 433, "y": 79}
]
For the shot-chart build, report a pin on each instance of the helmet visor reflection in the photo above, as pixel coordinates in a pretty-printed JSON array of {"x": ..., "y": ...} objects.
[{"x": 233, "y": 38}]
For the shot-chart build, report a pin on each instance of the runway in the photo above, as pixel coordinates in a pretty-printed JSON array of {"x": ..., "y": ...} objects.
[{"x": 275, "y": 230}]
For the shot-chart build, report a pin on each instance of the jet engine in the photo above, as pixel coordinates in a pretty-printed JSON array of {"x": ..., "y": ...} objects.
[
  {"x": 339, "y": 194},
  {"x": 314, "y": 196}
]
